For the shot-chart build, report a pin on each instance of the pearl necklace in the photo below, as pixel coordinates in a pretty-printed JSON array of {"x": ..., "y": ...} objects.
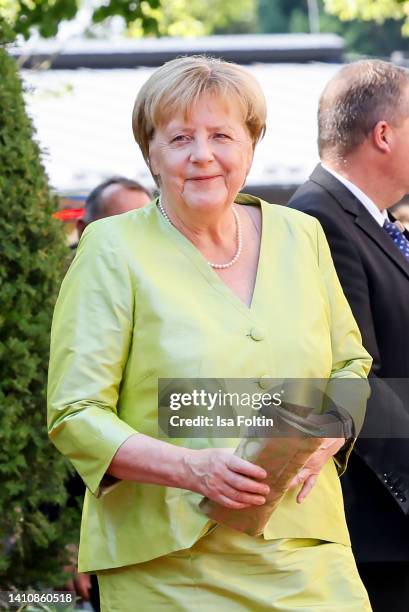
[{"x": 239, "y": 234}]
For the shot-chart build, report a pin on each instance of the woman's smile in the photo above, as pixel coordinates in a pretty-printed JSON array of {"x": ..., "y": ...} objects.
[{"x": 203, "y": 178}]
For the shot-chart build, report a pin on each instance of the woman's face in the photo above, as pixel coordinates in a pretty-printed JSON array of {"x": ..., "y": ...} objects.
[{"x": 202, "y": 161}]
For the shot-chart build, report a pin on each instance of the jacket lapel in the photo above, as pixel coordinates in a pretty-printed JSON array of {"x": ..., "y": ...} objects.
[{"x": 362, "y": 217}]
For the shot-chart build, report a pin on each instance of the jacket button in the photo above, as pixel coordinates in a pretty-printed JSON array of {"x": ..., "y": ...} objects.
[
  {"x": 402, "y": 499},
  {"x": 264, "y": 381},
  {"x": 256, "y": 334}
]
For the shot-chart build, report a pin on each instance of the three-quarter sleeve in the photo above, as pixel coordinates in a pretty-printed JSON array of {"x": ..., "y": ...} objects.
[
  {"x": 90, "y": 339},
  {"x": 347, "y": 388}
]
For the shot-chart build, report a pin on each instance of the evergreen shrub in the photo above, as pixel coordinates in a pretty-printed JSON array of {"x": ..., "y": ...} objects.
[{"x": 35, "y": 524}]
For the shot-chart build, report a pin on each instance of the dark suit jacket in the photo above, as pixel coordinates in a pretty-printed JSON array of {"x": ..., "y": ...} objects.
[{"x": 375, "y": 279}]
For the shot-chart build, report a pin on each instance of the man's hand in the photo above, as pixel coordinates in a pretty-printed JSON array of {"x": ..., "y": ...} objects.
[
  {"x": 307, "y": 476},
  {"x": 82, "y": 583}
]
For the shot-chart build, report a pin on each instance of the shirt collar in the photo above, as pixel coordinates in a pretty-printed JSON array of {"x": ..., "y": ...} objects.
[{"x": 378, "y": 215}]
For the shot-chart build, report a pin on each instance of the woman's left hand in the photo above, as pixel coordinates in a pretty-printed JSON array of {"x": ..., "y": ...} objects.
[{"x": 307, "y": 476}]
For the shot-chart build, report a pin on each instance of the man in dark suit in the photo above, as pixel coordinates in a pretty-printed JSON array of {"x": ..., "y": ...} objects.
[{"x": 364, "y": 149}]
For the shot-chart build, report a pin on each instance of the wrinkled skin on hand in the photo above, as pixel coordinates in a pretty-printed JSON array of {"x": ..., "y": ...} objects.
[{"x": 225, "y": 478}]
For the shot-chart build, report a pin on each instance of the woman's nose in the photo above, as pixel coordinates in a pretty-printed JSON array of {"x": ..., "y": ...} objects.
[{"x": 201, "y": 150}]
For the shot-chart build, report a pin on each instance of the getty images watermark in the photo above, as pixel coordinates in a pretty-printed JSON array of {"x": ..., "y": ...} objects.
[
  {"x": 264, "y": 407},
  {"x": 214, "y": 401}
]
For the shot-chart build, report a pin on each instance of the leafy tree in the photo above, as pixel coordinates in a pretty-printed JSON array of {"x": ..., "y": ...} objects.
[
  {"x": 273, "y": 16},
  {"x": 197, "y": 18},
  {"x": 367, "y": 37},
  {"x": 46, "y": 15},
  {"x": 371, "y": 10},
  {"x": 33, "y": 257},
  {"x": 156, "y": 17},
  {"x": 362, "y": 37}
]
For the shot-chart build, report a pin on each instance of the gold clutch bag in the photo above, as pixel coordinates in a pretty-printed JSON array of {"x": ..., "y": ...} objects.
[{"x": 282, "y": 458}]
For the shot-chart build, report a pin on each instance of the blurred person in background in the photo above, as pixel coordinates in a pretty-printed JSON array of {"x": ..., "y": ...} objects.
[
  {"x": 363, "y": 121},
  {"x": 113, "y": 196},
  {"x": 203, "y": 282}
]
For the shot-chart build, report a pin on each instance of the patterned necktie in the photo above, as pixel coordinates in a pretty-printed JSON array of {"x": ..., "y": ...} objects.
[{"x": 399, "y": 239}]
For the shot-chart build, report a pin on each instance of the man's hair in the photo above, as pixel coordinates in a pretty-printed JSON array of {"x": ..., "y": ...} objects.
[
  {"x": 355, "y": 99},
  {"x": 94, "y": 204}
]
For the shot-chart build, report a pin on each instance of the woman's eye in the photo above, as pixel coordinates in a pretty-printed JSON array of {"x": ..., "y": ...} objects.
[
  {"x": 180, "y": 138},
  {"x": 222, "y": 136}
]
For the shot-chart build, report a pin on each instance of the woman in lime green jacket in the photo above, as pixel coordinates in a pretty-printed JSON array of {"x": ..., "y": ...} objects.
[{"x": 202, "y": 283}]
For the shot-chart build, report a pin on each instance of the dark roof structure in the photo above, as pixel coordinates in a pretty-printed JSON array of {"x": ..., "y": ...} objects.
[{"x": 130, "y": 53}]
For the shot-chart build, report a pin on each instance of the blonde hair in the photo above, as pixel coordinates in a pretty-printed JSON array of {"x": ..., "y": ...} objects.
[{"x": 176, "y": 86}]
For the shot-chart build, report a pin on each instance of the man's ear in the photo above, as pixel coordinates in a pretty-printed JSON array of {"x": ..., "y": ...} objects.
[{"x": 382, "y": 136}]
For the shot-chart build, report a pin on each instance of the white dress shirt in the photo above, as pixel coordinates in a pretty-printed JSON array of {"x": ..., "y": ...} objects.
[{"x": 379, "y": 215}]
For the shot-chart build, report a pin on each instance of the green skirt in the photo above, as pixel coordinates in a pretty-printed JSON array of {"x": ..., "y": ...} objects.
[{"x": 230, "y": 571}]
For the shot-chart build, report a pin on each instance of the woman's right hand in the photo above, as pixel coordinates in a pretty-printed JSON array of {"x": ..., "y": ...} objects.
[
  {"x": 225, "y": 478},
  {"x": 213, "y": 472}
]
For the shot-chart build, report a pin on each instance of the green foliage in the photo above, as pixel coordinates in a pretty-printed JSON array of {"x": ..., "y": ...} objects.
[
  {"x": 378, "y": 10},
  {"x": 46, "y": 15},
  {"x": 370, "y": 10},
  {"x": 141, "y": 12},
  {"x": 272, "y": 16},
  {"x": 6, "y": 33},
  {"x": 367, "y": 37},
  {"x": 361, "y": 37},
  {"x": 33, "y": 257},
  {"x": 299, "y": 21},
  {"x": 152, "y": 17},
  {"x": 286, "y": 16},
  {"x": 196, "y": 18}
]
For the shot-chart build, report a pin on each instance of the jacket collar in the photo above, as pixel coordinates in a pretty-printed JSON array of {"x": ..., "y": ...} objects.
[{"x": 363, "y": 219}]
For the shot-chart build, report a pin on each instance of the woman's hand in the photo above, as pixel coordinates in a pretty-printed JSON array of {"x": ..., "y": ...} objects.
[
  {"x": 225, "y": 478},
  {"x": 214, "y": 472},
  {"x": 307, "y": 476}
]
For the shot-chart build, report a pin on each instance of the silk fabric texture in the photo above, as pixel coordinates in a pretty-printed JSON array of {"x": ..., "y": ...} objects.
[
  {"x": 232, "y": 571},
  {"x": 140, "y": 303}
]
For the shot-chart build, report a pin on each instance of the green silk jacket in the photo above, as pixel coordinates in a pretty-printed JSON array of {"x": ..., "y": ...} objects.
[{"x": 140, "y": 303}]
